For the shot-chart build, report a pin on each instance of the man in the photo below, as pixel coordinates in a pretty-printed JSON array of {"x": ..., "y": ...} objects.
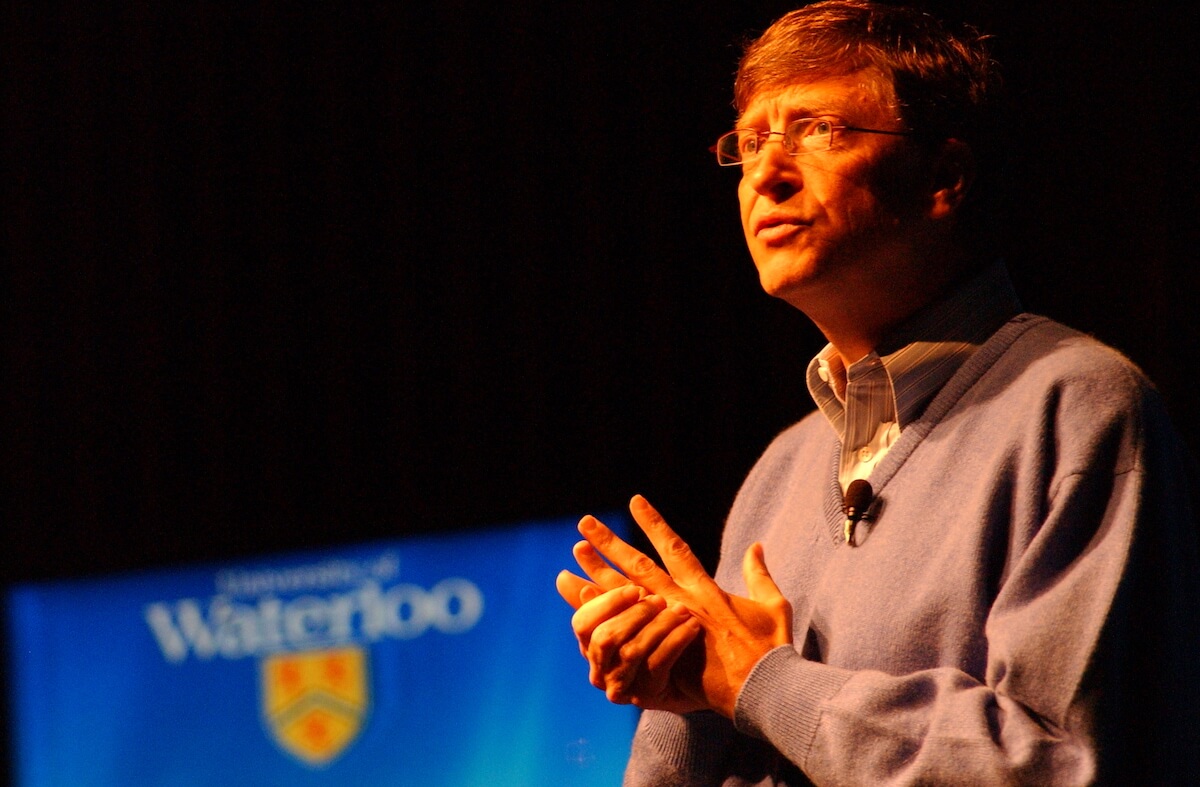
[{"x": 1014, "y": 601}]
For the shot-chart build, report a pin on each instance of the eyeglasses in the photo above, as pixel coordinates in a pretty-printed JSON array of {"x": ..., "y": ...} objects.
[{"x": 806, "y": 135}]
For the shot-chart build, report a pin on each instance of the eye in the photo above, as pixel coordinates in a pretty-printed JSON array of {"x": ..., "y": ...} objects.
[
  {"x": 811, "y": 134},
  {"x": 748, "y": 143}
]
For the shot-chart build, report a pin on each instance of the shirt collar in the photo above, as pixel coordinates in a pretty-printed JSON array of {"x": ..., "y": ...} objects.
[{"x": 917, "y": 358}]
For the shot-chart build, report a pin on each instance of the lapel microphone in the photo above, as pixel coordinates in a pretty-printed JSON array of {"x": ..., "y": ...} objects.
[{"x": 855, "y": 504}]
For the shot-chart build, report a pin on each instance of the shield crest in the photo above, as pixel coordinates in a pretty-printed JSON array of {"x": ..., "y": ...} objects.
[{"x": 315, "y": 702}]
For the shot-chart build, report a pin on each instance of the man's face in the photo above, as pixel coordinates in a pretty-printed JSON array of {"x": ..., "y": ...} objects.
[{"x": 837, "y": 224}]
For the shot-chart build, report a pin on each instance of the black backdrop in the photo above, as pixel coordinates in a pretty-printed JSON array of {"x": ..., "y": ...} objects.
[{"x": 287, "y": 274}]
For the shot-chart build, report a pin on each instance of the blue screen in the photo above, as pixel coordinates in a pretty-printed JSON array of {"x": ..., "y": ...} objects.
[{"x": 435, "y": 660}]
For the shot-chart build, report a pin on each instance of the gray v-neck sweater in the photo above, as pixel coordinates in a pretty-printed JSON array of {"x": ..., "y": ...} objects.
[{"x": 1021, "y": 608}]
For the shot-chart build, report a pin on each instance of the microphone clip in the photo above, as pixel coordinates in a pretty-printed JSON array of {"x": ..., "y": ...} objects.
[{"x": 857, "y": 500}]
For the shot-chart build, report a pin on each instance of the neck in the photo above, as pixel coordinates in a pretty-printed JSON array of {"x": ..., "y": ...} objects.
[{"x": 856, "y": 319}]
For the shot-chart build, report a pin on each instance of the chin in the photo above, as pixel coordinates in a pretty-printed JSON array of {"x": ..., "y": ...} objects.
[
  {"x": 771, "y": 285},
  {"x": 781, "y": 281}
]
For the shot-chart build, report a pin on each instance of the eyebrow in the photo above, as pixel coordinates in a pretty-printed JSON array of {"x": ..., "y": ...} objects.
[{"x": 801, "y": 112}]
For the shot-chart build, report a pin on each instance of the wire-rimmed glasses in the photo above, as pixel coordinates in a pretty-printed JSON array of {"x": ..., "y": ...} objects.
[{"x": 805, "y": 135}]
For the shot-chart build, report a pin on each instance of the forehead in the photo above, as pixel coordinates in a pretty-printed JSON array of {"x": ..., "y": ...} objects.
[{"x": 859, "y": 98}]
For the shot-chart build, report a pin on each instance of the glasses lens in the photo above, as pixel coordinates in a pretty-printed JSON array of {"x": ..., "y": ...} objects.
[
  {"x": 809, "y": 134},
  {"x": 728, "y": 149},
  {"x": 747, "y": 142}
]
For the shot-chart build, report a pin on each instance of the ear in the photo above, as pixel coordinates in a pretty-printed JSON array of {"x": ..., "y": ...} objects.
[{"x": 953, "y": 172}]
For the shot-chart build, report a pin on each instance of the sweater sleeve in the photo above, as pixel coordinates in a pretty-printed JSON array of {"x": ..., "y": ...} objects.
[
  {"x": 699, "y": 749},
  {"x": 1090, "y": 676},
  {"x": 672, "y": 749}
]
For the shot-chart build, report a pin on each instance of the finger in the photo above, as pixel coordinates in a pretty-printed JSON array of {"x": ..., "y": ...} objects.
[
  {"x": 662, "y": 664},
  {"x": 762, "y": 587},
  {"x": 654, "y": 633},
  {"x": 641, "y": 667},
  {"x": 685, "y": 568},
  {"x": 602, "y": 574},
  {"x": 593, "y": 613},
  {"x": 572, "y": 588},
  {"x": 635, "y": 565},
  {"x": 605, "y": 650},
  {"x": 758, "y": 579},
  {"x": 674, "y": 641}
]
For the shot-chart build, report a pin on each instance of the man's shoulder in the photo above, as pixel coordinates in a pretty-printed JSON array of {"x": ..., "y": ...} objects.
[
  {"x": 1051, "y": 357},
  {"x": 1060, "y": 384}
]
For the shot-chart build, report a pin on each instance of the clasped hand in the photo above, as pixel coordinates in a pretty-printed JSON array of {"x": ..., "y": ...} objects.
[{"x": 668, "y": 640}]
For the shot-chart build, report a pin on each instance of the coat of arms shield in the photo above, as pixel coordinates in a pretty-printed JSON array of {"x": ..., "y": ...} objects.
[{"x": 315, "y": 702}]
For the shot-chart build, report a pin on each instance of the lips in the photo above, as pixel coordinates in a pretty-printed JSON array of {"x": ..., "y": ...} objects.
[{"x": 774, "y": 228}]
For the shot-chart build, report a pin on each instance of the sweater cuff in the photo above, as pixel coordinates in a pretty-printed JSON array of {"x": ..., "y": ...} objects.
[
  {"x": 695, "y": 744},
  {"x": 782, "y": 699}
]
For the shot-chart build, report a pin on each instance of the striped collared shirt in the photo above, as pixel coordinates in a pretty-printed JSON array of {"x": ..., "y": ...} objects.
[{"x": 869, "y": 403}]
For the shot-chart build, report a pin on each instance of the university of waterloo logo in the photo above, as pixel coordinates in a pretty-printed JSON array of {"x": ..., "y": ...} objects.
[
  {"x": 315, "y": 703},
  {"x": 311, "y": 629}
]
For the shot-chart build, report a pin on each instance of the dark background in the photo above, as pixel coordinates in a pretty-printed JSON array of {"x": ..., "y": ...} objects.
[{"x": 289, "y": 274}]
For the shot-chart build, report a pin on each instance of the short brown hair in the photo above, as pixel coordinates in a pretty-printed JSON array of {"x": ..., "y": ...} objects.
[{"x": 944, "y": 81}]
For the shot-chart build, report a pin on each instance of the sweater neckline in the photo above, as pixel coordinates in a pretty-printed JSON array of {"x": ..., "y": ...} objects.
[{"x": 967, "y": 375}]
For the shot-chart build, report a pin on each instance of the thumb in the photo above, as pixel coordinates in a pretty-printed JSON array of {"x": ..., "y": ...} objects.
[
  {"x": 762, "y": 587},
  {"x": 758, "y": 579}
]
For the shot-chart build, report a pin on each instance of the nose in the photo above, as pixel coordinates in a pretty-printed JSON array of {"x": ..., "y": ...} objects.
[{"x": 773, "y": 172}]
